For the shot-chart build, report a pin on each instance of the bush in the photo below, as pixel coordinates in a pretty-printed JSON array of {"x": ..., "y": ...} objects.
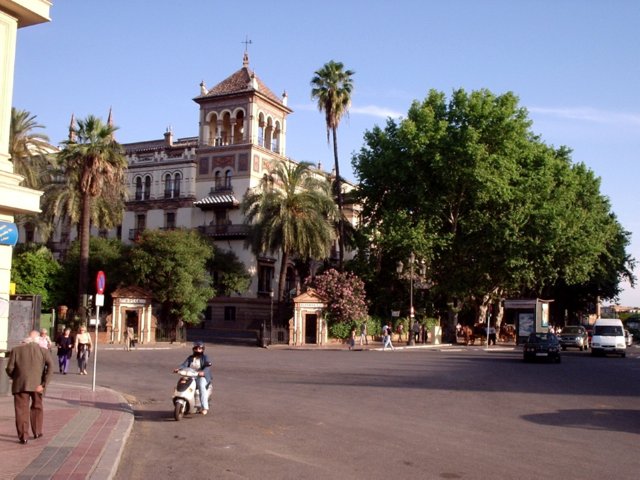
[{"x": 341, "y": 330}]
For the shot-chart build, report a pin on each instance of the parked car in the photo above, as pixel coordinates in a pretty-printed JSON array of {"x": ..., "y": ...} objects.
[
  {"x": 628, "y": 337},
  {"x": 542, "y": 345},
  {"x": 574, "y": 336}
]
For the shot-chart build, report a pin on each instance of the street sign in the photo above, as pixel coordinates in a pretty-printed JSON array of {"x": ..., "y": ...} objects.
[
  {"x": 8, "y": 233},
  {"x": 99, "y": 300},
  {"x": 101, "y": 281}
]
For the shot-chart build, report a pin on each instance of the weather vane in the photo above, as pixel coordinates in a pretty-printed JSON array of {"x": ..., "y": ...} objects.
[{"x": 246, "y": 42}]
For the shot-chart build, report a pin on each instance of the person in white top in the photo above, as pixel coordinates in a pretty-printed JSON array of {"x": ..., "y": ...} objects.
[
  {"x": 83, "y": 348},
  {"x": 43, "y": 340}
]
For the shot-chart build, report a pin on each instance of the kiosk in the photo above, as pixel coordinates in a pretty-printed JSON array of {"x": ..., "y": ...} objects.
[{"x": 528, "y": 315}]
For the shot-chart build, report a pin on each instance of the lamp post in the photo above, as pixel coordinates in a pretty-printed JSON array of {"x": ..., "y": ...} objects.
[
  {"x": 399, "y": 268},
  {"x": 271, "y": 319}
]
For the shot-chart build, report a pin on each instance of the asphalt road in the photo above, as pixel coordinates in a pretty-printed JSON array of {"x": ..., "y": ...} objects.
[{"x": 456, "y": 413}]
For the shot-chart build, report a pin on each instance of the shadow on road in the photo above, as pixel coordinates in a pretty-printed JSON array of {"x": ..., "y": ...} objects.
[{"x": 627, "y": 421}]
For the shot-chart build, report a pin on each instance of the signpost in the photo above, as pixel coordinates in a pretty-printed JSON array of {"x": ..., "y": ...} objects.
[{"x": 101, "y": 281}]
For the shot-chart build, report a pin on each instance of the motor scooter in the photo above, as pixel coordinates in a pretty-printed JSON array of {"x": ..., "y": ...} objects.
[{"x": 186, "y": 397}]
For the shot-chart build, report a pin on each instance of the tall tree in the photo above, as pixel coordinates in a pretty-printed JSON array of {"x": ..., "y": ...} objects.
[
  {"x": 291, "y": 211},
  {"x": 466, "y": 184},
  {"x": 331, "y": 87},
  {"x": 173, "y": 265},
  {"x": 94, "y": 157},
  {"x": 29, "y": 150}
]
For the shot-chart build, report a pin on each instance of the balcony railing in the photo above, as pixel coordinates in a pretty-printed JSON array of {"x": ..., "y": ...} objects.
[{"x": 225, "y": 231}]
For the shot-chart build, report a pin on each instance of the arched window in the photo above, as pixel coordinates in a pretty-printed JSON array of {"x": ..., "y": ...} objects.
[
  {"x": 227, "y": 179},
  {"x": 147, "y": 188},
  {"x": 138, "y": 188},
  {"x": 217, "y": 180},
  {"x": 238, "y": 128},
  {"x": 261, "y": 126},
  {"x": 226, "y": 129},
  {"x": 275, "y": 142},
  {"x": 268, "y": 134},
  {"x": 168, "y": 186},
  {"x": 176, "y": 185}
]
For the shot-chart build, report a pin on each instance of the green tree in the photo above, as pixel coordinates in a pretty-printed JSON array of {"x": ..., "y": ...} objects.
[
  {"x": 34, "y": 271},
  {"x": 107, "y": 254},
  {"x": 95, "y": 159},
  {"x": 29, "y": 150},
  {"x": 332, "y": 86},
  {"x": 173, "y": 265},
  {"x": 291, "y": 211},
  {"x": 229, "y": 274},
  {"x": 467, "y": 186}
]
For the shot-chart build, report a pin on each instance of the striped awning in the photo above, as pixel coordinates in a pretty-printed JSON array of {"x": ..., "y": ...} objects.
[{"x": 217, "y": 200}]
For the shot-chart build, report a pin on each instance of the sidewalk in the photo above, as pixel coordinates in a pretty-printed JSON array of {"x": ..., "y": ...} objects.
[{"x": 84, "y": 435}]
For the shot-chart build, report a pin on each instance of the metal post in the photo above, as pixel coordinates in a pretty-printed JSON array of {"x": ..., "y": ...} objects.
[
  {"x": 271, "y": 319},
  {"x": 95, "y": 350},
  {"x": 411, "y": 340}
]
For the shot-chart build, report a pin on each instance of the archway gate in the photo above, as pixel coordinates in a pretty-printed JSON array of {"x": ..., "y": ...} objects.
[{"x": 133, "y": 303}]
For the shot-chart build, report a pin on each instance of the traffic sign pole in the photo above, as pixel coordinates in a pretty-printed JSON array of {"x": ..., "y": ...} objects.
[{"x": 101, "y": 282}]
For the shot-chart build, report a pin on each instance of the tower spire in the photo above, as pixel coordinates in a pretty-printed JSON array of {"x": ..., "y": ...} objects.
[
  {"x": 72, "y": 129},
  {"x": 245, "y": 57}
]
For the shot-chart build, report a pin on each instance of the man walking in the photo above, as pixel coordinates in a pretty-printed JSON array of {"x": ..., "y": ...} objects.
[{"x": 30, "y": 367}]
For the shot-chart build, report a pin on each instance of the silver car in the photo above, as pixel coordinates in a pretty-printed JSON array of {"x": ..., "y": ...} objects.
[{"x": 574, "y": 336}]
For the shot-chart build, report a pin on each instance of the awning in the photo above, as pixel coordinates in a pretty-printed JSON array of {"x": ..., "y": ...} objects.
[{"x": 217, "y": 200}]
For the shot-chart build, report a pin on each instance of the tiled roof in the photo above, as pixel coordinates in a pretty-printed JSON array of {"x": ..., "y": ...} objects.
[
  {"x": 217, "y": 199},
  {"x": 240, "y": 82}
]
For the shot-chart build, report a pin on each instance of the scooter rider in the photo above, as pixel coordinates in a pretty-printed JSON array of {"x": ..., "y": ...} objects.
[{"x": 200, "y": 362}]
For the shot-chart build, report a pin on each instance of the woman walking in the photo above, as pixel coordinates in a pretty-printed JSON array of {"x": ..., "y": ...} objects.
[
  {"x": 83, "y": 349},
  {"x": 65, "y": 346}
]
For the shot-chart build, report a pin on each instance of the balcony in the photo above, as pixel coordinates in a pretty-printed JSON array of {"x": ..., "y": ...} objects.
[{"x": 229, "y": 231}]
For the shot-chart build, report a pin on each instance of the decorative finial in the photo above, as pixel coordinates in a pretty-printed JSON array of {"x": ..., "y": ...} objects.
[
  {"x": 203, "y": 88},
  {"x": 245, "y": 57},
  {"x": 72, "y": 128}
]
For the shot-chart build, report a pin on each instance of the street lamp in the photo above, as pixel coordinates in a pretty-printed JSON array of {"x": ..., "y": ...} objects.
[
  {"x": 271, "y": 319},
  {"x": 399, "y": 267}
]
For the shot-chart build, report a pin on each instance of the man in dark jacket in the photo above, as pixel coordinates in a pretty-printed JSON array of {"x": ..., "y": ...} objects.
[
  {"x": 30, "y": 367},
  {"x": 200, "y": 362}
]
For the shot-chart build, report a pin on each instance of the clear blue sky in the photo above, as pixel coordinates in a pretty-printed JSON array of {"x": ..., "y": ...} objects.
[{"x": 575, "y": 65}]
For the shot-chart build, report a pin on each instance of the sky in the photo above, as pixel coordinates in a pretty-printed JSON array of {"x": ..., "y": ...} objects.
[{"x": 574, "y": 64}]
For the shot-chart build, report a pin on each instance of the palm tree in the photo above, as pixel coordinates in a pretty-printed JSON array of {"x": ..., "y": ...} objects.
[
  {"x": 93, "y": 160},
  {"x": 292, "y": 211},
  {"x": 28, "y": 149},
  {"x": 331, "y": 87}
]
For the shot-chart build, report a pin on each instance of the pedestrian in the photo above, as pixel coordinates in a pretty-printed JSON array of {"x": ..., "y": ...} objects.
[
  {"x": 386, "y": 337},
  {"x": 352, "y": 338},
  {"x": 363, "y": 333},
  {"x": 64, "y": 342},
  {"x": 400, "y": 330},
  {"x": 83, "y": 346},
  {"x": 128, "y": 338},
  {"x": 416, "y": 331},
  {"x": 30, "y": 368},
  {"x": 492, "y": 335},
  {"x": 44, "y": 340}
]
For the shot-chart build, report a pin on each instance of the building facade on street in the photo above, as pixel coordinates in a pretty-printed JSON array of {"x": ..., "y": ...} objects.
[
  {"x": 14, "y": 199},
  {"x": 199, "y": 182}
]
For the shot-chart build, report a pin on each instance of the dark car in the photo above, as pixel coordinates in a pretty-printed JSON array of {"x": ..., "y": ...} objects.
[
  {"x": 574, "y": 336},
  {"x": 542, "y": 345}
]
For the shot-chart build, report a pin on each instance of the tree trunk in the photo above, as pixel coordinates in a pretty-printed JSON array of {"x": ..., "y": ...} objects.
[
  {"x": 85, "y": 223},
  {"x": 283, "y": 276},
  {"x": 340, "y": 200}
]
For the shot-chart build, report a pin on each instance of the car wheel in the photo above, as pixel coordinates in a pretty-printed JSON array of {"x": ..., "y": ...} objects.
[
  {"x": 623, "y": 354},
  {"x": 563, "y": 348}
]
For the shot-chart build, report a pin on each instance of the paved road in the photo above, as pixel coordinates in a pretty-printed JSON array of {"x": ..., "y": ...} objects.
[{"x": 458, "y": 413}]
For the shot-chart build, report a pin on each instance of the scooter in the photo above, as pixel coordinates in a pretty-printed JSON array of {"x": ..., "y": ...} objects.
[{"x": 186, "y": 397}]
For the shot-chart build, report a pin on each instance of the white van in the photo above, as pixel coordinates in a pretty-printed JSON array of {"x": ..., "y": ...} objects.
[{"x": 608, "y": 337}]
